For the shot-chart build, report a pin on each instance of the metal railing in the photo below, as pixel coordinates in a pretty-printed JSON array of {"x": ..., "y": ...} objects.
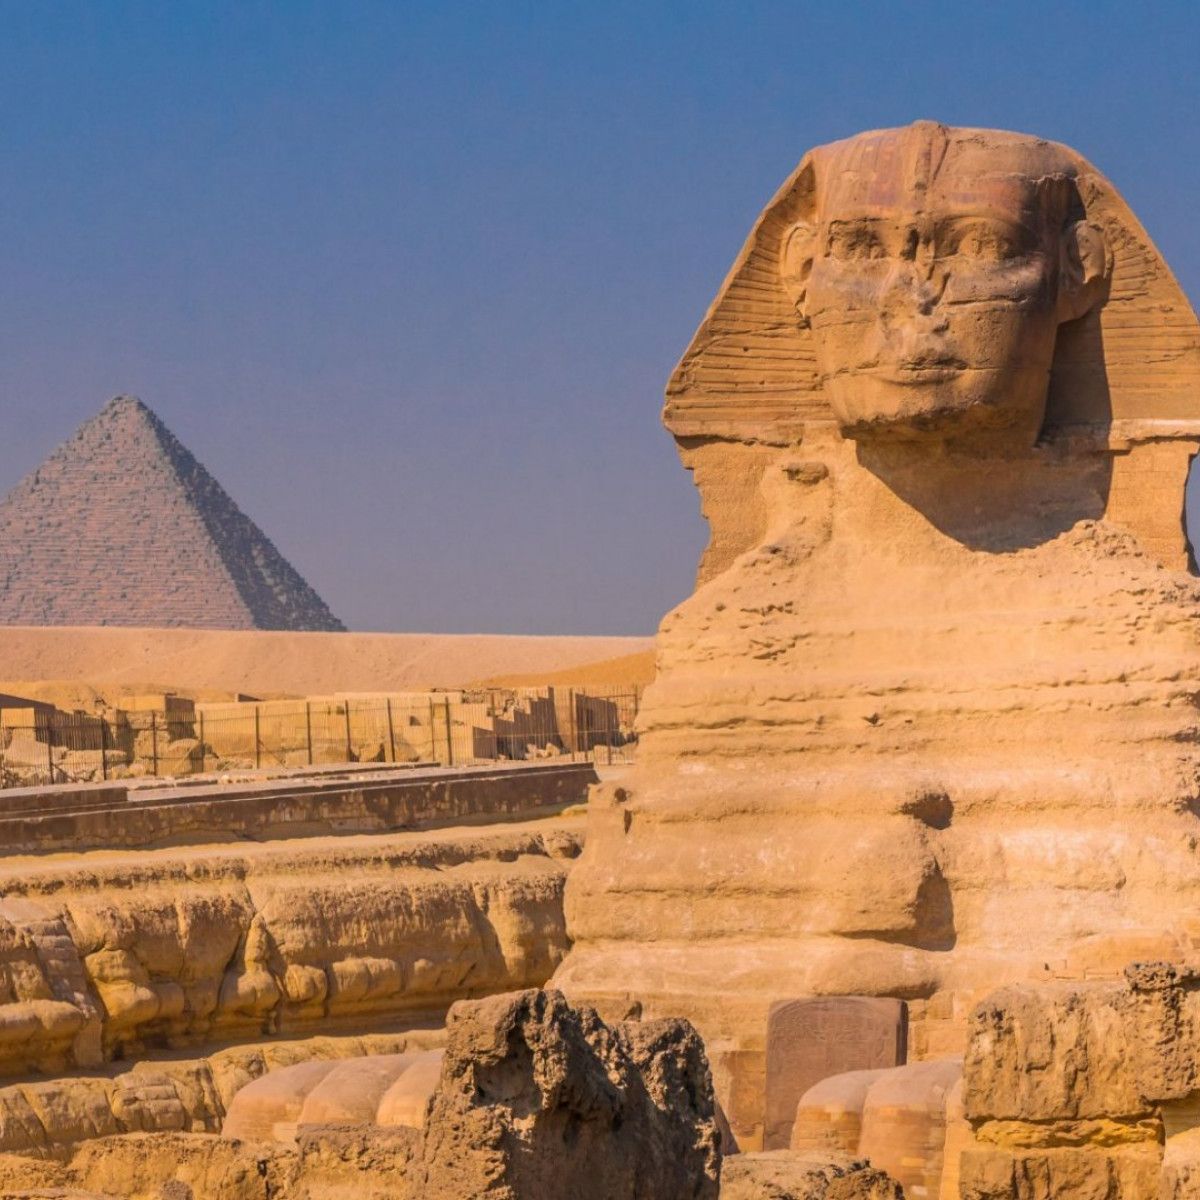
[{"x": 40, "y": 746}]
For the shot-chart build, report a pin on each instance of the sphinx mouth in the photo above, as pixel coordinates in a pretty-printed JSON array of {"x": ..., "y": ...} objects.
[{"x": 920, "y": 371}]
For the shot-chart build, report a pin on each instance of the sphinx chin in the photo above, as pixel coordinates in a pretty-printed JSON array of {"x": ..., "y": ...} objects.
[{"x": 947, "y": 403}]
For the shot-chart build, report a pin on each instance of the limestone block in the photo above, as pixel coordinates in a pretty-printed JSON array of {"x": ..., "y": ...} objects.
[
  {"x": 76, "y": 1112},
  {"x": 147, "y": 1103},
  {"x": 959, "y": 1137},
  {"x": 904, "y": 1124},
  {"x": 39, "y": 1022},
  {"x": 123, "y": 984},
  {"x": 406, "y": 1102},
  {"x": 180, "y": 1166},
  {"x": 1076, "y": 1089},
  {"x": 305, "y": 985},
  {"x": 355, "y": 1163},
  {"x": 811, "y": 1039},
  {"x": 268, "y": 1109},
  {"x": 1180, "y": 1179},
  {"x": 1054, "y": 1173},
  {"x": 829, "y": 1114},
  {"x": 1047, "y": 1053},
  {"x": 351, "y": 1093},
  {"x": 21, "y": 1128},
  {"x": 357, "y": 980}
]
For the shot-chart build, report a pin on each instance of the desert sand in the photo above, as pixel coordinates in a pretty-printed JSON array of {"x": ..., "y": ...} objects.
[
  {"x": 204, "y": 662},
  {"x": 629, "y": 669}
]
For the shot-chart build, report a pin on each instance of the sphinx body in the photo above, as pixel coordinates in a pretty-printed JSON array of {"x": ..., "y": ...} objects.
[{"x": 929, "y": 722}]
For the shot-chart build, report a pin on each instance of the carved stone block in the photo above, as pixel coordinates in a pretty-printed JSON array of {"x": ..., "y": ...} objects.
[{"x": 809, "y": 1040}]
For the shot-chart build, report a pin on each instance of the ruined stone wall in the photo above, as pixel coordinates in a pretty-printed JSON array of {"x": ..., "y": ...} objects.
[
  {"x": 99, "y": 816},
  {"x": 120, "y": 957}
]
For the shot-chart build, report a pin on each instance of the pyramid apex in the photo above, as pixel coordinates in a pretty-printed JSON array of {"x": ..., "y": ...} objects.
[
  {"x": 123, "y": 403},
  {"x": 166, "y": 544}
]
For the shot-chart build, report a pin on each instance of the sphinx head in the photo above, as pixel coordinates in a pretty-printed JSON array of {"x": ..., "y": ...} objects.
[{"x": 934, "y": 267}]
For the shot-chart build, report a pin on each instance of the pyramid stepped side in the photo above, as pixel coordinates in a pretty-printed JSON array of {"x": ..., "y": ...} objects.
[
  {"x": 102, "y": 533},
  {"x": 275, "y": 593},
  {"x": 106, "y": 532}
]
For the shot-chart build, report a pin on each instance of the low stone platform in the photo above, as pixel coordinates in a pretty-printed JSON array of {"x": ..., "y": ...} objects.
[{"x": 383, "y": 800}]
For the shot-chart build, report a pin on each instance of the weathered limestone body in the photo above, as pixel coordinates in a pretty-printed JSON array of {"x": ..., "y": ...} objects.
[
  {"x": 219, "y": 945},
  {"x": 927, "y": 725}
]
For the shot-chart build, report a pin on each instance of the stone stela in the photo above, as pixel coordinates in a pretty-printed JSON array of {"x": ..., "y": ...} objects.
[{"x": 812, "y": 1039}]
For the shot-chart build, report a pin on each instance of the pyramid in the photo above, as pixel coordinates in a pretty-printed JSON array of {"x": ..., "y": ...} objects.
[{"x": 122, "y": 526}]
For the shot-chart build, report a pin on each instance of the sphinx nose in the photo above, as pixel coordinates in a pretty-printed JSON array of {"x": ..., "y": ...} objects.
[{"x": 914, "y": 287}]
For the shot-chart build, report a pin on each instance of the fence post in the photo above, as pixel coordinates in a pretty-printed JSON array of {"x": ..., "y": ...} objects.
[
  {"x": 50, "y": 746},
  {"x": 154, "y": 741},
  {"x": 348, "y": 746},
  {"x": 610, "y": 733},
  {"x": 574, "y": 728},
  {"x": 257, "y": 740},
  {"x": 203, "y": 746},
  {"x": 449, "y": 735},
  {"x": 391, "y": 729},
  {"x": 103, "y": 749},
  {"x": 308, "y": 729}
]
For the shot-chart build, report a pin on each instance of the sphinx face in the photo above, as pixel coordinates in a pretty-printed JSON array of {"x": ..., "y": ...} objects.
[{"x": 933, "y": 272}]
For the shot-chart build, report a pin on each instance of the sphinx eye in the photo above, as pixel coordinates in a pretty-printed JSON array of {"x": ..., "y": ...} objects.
[
  {"x": 854, "y": 242},
  {"x": 986, "y": 243}
]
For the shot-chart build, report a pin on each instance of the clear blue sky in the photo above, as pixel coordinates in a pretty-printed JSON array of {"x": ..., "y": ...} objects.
[{"x": 409, "y": 278}]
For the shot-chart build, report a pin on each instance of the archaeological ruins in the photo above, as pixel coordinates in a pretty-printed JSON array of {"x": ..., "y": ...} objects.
[{"x": 884, "y": 892}]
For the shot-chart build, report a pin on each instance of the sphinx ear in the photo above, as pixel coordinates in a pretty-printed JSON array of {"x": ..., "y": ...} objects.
[
  {"x": 796, "y": 260},
  {"x": 1085, "y": 270}
]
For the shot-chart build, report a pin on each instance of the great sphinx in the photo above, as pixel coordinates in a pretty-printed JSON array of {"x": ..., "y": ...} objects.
[{"x": 929, "y": 722}]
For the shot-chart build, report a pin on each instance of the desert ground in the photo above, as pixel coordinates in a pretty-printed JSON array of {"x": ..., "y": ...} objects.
[{"x": 68, "y": 664}]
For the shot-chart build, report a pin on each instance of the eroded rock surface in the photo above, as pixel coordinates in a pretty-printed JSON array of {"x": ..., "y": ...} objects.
[
  {"x": 784, "y": 1175},
  {"x": 113, "y": 956},
  {"x": 1084, "y": 1090},
  {"x": 174, "y": 1095},
  {"x": 537, "y": 1099},
  {"x": 534, "y": 1100}
]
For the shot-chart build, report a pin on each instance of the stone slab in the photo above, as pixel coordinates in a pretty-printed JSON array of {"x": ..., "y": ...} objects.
[{"x": 810, "y": 1039}]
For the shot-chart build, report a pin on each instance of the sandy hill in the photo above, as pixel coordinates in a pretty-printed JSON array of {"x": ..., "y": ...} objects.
[
  {"x": 626, "y": 670},
  {"x": 121, "y": 525},
  {"x": 205, "y": 661}
]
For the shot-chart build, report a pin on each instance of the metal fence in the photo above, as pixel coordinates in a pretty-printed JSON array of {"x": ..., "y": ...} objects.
[{"x": 40, "y": 745}]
